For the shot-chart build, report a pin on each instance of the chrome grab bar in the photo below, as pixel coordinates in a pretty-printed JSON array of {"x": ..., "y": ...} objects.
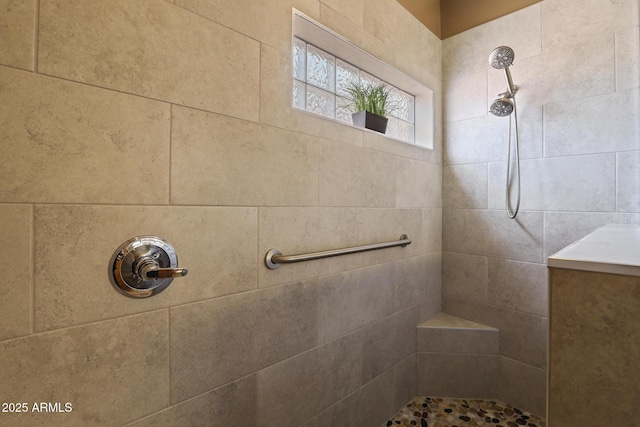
[{"x": 274, "y": 258}]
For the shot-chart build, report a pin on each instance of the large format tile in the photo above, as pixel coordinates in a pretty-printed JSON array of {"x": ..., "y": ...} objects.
[
  {"x": 218, "y": 160},
  {"x": 469, "y": 50},
  {"x": 355, "y": 176},
  {"x": 523, "y": 386},
  {"x": 269, "y": 22},
  {"x": 69, "y": 143},
  {"x": 540, "y": 86},
  {"x": 565, "y": 22},
  {"x": 371, "y": 404},
  {"x": 457, "y": 375},
  {"x": 627, "y": 59},
  {"x": 97, "y": 368},
  {"x": 465, "y": 276},
  {"x": 296, "y": 389},
  {"x": 353, "y": 299},
  {"x": 492, "y": 233},
  {"x": 465, "y": 97},
  {"x": 575, "y": 183},
  {"x": 16, "y": 286},
  {"x": 518, "y": 286},
  {"x": 223, "y": 339},
  {"x": 17, "y": 32},
  {"x": 465, "y": 186},
  {"x": 151, "y": 48},
  {"x": 388, "y": 341},
  {"x": 628, "y": 181},
  {"x": 226, "y": 405},
  {"x": 65, "y": 297},
  {"x": 599, "y": 124},
  {"x": 418, "y": 184}
]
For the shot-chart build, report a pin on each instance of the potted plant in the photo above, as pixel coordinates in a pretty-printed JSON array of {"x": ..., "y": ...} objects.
[{"x": 370, "y": 105}]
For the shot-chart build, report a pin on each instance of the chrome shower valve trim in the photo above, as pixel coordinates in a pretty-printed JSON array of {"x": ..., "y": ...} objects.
[{"x": 144, "y": 266}]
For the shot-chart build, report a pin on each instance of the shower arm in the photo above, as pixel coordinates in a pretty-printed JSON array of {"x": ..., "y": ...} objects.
[{"x": 512, "y": 89}]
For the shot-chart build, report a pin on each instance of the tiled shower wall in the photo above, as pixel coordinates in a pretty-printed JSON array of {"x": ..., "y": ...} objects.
[
  {"x": 121, "y": 118},
  {"x": 576, "y": 63}
]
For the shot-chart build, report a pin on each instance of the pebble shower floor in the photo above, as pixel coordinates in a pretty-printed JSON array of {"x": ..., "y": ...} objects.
[{"x": 447, "y": 412}]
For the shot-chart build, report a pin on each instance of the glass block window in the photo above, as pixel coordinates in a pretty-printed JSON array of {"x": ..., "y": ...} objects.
[{"x": 320, "y": 80}]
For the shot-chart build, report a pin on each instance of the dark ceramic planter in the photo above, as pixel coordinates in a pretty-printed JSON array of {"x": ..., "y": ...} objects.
[{"x": 371, "y": 121}]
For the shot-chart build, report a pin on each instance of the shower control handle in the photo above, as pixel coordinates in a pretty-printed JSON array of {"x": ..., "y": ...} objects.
[
  {"x": 149, "y": 273},
  {"x": 144, "y": 266}
]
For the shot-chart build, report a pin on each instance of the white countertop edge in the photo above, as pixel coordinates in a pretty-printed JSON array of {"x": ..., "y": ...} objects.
[
  {"x": 596, "y": 267},
  {"x": 612, "y": 248}
]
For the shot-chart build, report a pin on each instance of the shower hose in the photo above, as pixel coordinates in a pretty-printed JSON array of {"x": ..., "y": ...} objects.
[{"x": 512, "y": 213}]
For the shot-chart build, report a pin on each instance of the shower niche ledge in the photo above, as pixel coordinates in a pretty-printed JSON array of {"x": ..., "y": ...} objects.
[{"x": 594, "y": 332}]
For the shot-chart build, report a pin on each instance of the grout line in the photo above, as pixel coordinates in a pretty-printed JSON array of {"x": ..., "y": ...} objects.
[
  {"x": 170, "y": 355},
  {"x": 32, "y": 278},
  {"x": 170, "y": 151},
  {"x": 36, "y": 41}
]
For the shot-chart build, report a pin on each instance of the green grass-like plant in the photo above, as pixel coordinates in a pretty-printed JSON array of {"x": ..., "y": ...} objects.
[{"x": 374, "y": 98}]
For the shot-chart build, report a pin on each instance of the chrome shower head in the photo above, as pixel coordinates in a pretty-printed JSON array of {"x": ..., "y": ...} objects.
[
  {"x": 501, "y": 107},
  {"x": 501, "y": 57}
]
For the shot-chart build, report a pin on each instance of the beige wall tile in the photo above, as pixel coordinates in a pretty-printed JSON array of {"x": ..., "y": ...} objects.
[
  {"x": 465, "y": 97},
  {"x": 153, "y": 49},
  {"x": 18, "y": 32},
  {"x": 363, "y": 37},
  {"x": 374, "y": 402},
  {"x": 351, "y": 300},
  {"x": 573, "y": 183},
  {"x": 457, "y": 375},
  {"x": 492, "y": 233},
  {"x": 565, "y": 22},
  {"x": 97, "y": 368},
  {"x": 388, "y": 341},
  {"x": 378, "y": 142},
  {"x": 352, "y": 10},
  {"x": 223, "y": 339},
  {"x": 217, "y": 245},
  {"x": 458, "y": 340},
  {"x": 465, "y": 276},
  {"x": 418, "y": 184},
  {"x": 16, "y": 287},
  {"x": 627, "y": 59},
  {"x": 293, "y": 391},
  {"x": 354, "y": 176},
  {"x": 267, "y": 22},
  {"x": 469, "y": 51},
  {"x": 220, "y": 160},
  {"x": 465, "y": 186},
  {"x": 532, "y": 397},
  {"x": 518, "y": 286},
  {"x": 628, "y": 181},
  {"x": 599, "y": 124},
  {"x": 553, "y": 76},
  {"x": 71, "y": 143},
  {"x": 227, "y": 405}
]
